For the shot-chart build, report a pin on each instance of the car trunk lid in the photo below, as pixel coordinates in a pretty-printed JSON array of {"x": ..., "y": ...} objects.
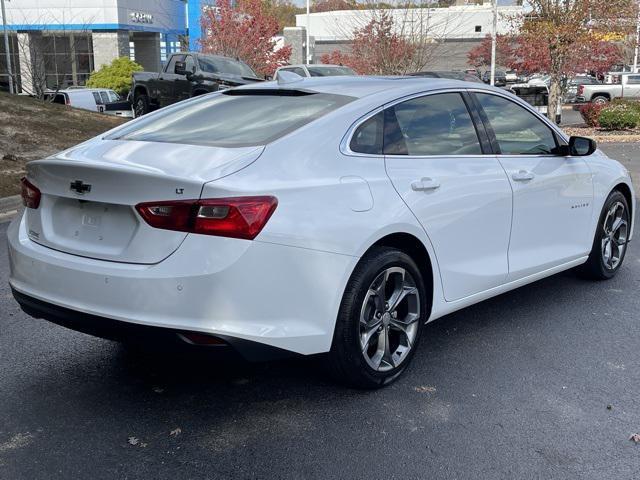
[{"x": 89, "y": 194}]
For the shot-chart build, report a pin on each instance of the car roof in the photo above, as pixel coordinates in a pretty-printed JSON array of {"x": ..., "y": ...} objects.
[{"x": 363, "y": 86}]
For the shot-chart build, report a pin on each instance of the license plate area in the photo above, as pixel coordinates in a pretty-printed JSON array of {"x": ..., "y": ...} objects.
[{"x": 89, "y": 228}]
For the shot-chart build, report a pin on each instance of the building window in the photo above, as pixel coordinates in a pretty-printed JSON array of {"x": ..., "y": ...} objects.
[
  {"x": 478, "y": 28},
  {"x": 66, "y": 59}
]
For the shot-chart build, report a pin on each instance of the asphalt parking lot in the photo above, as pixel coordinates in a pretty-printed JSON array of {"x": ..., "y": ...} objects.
[{"x": 542, "y": 382}]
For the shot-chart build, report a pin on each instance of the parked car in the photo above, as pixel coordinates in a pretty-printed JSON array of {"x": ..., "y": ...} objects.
[
  {"x": 316, "y": 70},
  {"x": 93, "y": 99},
  {"x": 187, "y": 75},
  {"x": 628, "y": 86},
  {"x": 537, "y": 96},
  {"x": 500, "y": 78},
  {"x": 214, "y": 222},
  {"x": 511, "y": 76},
  {"x": 453, "y": 75},
  {"x": 574, "y": 83}
]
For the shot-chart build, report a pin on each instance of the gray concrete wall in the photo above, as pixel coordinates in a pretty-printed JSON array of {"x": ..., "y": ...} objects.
[
  {"x": 31, "y": 62},
  {"x": 147, "y": 50},
  {"x": 296, "y": 37},
  {"x": 451, "y": 55},
  {"x": 108, "y": 46}
]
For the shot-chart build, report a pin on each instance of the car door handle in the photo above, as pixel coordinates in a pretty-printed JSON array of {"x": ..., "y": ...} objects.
[
  {"x": 425, "y": 184},
  {"x": 523, "y": 176}
]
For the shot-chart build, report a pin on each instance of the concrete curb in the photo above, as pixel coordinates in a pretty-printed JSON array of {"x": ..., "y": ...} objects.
[{"x": 9, "y": 206}]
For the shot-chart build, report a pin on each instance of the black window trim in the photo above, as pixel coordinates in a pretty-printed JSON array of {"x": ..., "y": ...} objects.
[
  {"x": 559, "y": 136},
  {"x": 345, "y": 144}
]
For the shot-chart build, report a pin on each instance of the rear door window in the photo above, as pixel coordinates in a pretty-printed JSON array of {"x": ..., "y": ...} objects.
[
  {"x": 236, "y": 118},
  {"x": 437, "y": 124}
]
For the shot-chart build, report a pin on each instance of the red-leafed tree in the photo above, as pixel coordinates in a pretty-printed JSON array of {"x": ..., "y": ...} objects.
[
  {"x": 564, "y": 38},
  {"x": 332, "y": 5},
  {"x": 244, "y": 31},
  {"x": 480, "y": 55},
  {"x": 377, "y": 50}
]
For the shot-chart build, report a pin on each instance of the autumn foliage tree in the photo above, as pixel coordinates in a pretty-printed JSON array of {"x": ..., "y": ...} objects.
[
  {"x": 245, "y": 31},
  {"x": 480, "y": 55},
  {"x": 377, "y": 50},
  {"x": 566, "y": 37}
]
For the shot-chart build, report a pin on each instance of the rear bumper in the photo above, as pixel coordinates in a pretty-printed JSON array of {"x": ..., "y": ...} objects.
[
  {"x": 275, "y": 295},
  {"x": 142, "y": 334}
]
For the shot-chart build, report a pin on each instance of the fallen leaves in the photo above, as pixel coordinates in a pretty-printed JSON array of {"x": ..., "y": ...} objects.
[
  {"x": 133, "y": 441},
  {"x": 635, "y": 438},
  {"x": 175, "y": 432}
]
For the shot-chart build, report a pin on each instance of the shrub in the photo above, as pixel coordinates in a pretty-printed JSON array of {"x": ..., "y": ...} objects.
[
  {"x": 619, "y": 116},
  {"x": 590, "y": 113},
  {"x": 116, "y": 76}
]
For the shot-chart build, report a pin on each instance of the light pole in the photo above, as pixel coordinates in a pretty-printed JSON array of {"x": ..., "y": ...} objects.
[
  {"x": 494, "y": 40},
  {"x": 306, "y": 50},
  {"x": 635, "y": 55},
  {"x": 6, "y": 47}
]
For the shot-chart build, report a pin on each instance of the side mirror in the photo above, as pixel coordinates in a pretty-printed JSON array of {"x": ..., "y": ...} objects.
[
  {"x": 180, "y": 68},
  {"x": 582, "y": 146}
]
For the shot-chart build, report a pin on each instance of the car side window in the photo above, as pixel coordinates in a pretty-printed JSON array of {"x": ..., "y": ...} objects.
[
  {"x": 299, "y": 71},
  {"x": 633, "y": 80},
  {"x": 190, "y": 64},
  {"x": 437, "y": 124},
  {"x": 171, "y": 68},
  {"x": 517, "y": 131},
  {"x": 97, "y": 98},
  {"x": 368, "y": 136}
]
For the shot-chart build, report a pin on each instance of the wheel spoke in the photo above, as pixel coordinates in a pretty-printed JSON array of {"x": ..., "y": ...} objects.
[{"x": 400, "y": 294}]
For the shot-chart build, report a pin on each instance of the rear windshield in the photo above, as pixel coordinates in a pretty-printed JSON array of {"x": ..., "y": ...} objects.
[{"x": 236, "y": 118}]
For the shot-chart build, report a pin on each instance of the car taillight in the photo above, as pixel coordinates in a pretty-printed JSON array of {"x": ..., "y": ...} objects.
[
  {"x": 580, "y": 89},
  {"x": 237, "y": 217},
  {"x": 30, "y": 194}
]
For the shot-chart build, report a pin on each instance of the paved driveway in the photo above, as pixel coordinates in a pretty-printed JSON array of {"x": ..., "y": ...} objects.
[{"x": 542, "y": 382}]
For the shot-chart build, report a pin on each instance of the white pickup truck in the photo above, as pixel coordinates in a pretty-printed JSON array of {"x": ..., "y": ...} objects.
[{"x": 626, "y": 85}]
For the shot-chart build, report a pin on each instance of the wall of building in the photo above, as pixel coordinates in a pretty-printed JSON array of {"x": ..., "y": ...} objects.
[
  {"x": 166, "y": 16},
  {"x": 459, "y": 22}
]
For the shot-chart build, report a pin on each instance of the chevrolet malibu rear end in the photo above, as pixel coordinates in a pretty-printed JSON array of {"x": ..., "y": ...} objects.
[{"x": 186, "y": 220}]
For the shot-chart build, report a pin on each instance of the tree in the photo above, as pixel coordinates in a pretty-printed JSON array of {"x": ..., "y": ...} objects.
[
  {"x": 284, "y": 12},
  {"x": 566, "y": 37},
  {"x": 244, "y": 31},
  {"x": 116, "y": 76},
  {"x": 480, "y": 55},
  {"x": 376, "y": 50},
  {"x": 332, "y": 5}
]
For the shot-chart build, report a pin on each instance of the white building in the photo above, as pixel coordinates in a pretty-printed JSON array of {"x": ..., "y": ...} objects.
[
  {"x": 65, "y": 40},
  {"x": 459, "y": 28}
]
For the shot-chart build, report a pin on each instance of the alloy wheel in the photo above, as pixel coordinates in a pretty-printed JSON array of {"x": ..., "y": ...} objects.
[
  {"x": 615, "y": 233},
  {"x": 389, "y": 319}
]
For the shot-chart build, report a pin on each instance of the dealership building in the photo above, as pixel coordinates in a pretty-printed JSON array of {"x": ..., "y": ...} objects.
[{"x": 63, "y": 41}]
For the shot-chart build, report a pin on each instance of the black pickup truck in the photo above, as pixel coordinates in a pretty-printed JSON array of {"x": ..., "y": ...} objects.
[{"x": 187, "y": 75}]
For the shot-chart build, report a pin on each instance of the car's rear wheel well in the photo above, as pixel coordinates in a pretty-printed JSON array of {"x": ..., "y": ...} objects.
[
  {"x": 413, "y": 247},
  {"x": 624, "y": 189}
]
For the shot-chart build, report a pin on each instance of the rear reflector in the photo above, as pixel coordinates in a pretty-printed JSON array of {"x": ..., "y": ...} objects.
[
  {"x": 237, "y": 217},
  {"x": 30, "y": 194}
]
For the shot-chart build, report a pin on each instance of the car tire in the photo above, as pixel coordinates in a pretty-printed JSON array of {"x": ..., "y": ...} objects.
[
  {"x": 369, "y": 317},
  {"x": 600, "y": 100},
  {"x": 141, "y": 106},
  {"x": 610, "y": 241}
]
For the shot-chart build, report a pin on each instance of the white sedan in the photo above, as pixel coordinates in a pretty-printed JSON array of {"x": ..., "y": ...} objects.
[{"x": 329, "y": 216}]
